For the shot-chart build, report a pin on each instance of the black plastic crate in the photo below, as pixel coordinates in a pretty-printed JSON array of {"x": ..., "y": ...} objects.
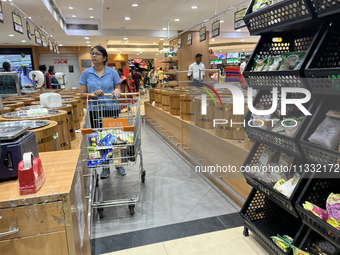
[
  {"x": 276, "y": 140},
  {"x": 323, "y": 69},
  {"x": 274, "y": 44},
  {"x": 278, "y": 17},
  {"x": 286, "y": 203},
  {"x": 265, "y": 219},
  {"x": 316, "y": 192},
  {"x": 326, "y": 7},
  {"x": 316, "y": 153}
]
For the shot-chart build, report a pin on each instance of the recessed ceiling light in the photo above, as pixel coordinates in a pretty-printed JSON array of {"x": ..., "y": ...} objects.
[
  {"x": 51, "y": 35},
  {"x": 221, "y": 21},
  {"x": 134, "y": 5},
  {"x": 154, "y": 42},
  {"x": 127, "y": 18},
  {"x": 29, "y": 17},
  {"x": 23, "y": 40},
  {"x": 88, "y": 42},
  {"x": 86, "y": 38},
  {"x": 90, "y": 9},
  {"x": 161, "y": 39},
  {"x": 243, "y": 49},
  {"x": 177, "y": 20},
  {"x": 125, "y": 38},
  {"x": 213, "y": 40},
  {"x": 137, "y": 53},
  {"x": 11, "y": 35},
  {"x": 60, "y": 45},
  {"x": 71, "y": 8},
  {"x": 73, "y": 16},
  {"x": 194, "y": 7},
  {"x": 89, "y": 45},
  {"x": 242, "y": 40},
  {"x": 238, "y": 30},
  {"x": 140, "y": 52},
  {"x": 164, "y": 28},
  {"x": 156, "y": 53},
  {"x": 220, "y": 50},
  {"x": 91, "y": 17}
]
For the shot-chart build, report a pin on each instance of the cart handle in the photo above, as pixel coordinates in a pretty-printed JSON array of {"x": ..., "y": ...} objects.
[{"x": 123, "y": 94}]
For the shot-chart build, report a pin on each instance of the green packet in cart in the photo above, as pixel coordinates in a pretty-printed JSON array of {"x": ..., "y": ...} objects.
[{"x": 283, "y": 242}]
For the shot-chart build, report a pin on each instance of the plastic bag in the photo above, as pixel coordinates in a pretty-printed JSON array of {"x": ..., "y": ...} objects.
[
  {"x": 317, "y": 211},
  {"x": 282, "y": 242},
  {"x": 333, "y": 209},
  {"x": 327, "y": 133},
  {"x": 297, "y": 251},
  {"x": 287, "y": 188}
]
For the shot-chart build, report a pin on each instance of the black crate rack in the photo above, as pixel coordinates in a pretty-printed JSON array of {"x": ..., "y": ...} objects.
[
  {"x": 316, "y": 192},
  {"x": 282, "y": 16},
  {"x": 265, "y": 219},
  {"x": 316, "y": 153},
  {"x": 326, "y": 7},
  {"x": 323, "y": 69},
  {"x": 274, "y": 44},
  {"x": 279, "y": 141},
  {"x": 286, "y": 203}
]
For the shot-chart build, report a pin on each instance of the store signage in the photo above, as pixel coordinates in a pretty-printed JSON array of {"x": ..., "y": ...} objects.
[
  {"x": 172, "y": 45},
  {"x": 28, "y": 30},
  {"x": 189, "y": 39},
  {"x": 216, "y": 62},
  {"x": 44, "y": 42},
  {"x": 60, "y": 61},
  {"x": 138, "y": 60},
  {"x": 179, "y": 42},
  {"x": 17, "y": 23},
  {"x": 203, "y": 34},
  {"x": 50, "y": 45},
  {"x": 160, "y": 45},
  {"x": 238, "y": 19},
  {"x": 175, "y": 43},
  {"x": 215, "y": 31},
  {"x": 1, "y": 13},
  {"x": 37, "y": 37}
]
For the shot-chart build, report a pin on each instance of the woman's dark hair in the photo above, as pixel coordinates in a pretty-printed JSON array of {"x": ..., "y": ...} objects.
[
  {"x": 161, "y": 69},
  {"x": 6, "y": 66},
  {"x": 42, "y": 68},
  {"x": 102, "y": 51},
  {"x": 50, "y": 71},
  {"x": 120, "y": 70}
]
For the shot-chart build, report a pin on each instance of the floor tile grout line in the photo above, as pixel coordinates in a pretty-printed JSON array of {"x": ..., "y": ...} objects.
[
  {"x": 221, "y": 222},
  {"x": 165, "y": 248}
]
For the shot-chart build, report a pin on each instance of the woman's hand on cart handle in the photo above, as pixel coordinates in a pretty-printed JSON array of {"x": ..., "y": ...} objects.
[
  {"x": 99, "y": 93},
  {"x": 116, "y": 93}
]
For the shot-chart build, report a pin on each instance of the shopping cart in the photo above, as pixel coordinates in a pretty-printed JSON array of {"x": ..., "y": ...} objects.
[{"x": 112, "y": 134}]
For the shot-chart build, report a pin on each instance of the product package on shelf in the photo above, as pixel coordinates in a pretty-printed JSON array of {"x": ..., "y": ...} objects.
[
  {"x": 266, "y": 219},
  {"x": 320, "y": 140},
  {"x": 318, "y": 206},
  {"x": 279, "y": 59},
  {"x": 282, "y": 132},
  {"x": 323, "y": 69},
  {"x": 277, "y": 15},
  {"x": 274, "y": 173}
]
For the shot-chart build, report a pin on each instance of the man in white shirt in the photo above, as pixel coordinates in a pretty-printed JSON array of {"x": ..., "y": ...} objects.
[
  {"x": 195, "y": 67},
  {"x": 243, "y": 65}
]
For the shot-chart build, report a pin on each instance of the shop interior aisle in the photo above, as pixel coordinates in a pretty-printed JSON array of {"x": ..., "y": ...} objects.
[{"x": 174, "y": 201}]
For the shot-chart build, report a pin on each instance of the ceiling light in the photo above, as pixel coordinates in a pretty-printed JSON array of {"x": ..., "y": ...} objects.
[
  {"x": 86, "y": 38},
  {"x": 156, "y": 53},
  {"x": 11, "y": 35},
  {"x": 194, "y": 7},
  {"x": 90, "y": 9},
  {"x": 91, "y": 17},
  {"x": 89, "y": 45},
  {"x": 126, "y": 41},
  {"x": 127, "y": 18},
  {"x": 134, "y": 5},
  {"x": 242, "y": 40},
  {"x": 161, "y": 39},
  {"x": 213, "y": 40},
  {"x": 164, "y": 28},
  {"x": 73, "y": 16},
  {"x": 51, "y": 35},
  {"x": 23, "y": 40},
  {"x": 29, "y": 17},
  {"x": 154, "y": 42},
  {"x": 88, "y": 42},
  {"x": 71, "y": 8},
  {"x": 238, "y": 30},
  {"x": 125, "y": 38},
  {"x": 60, "y": 45},
  {"x": 177, "y": 19},
  {"x": 137, "y": 53},
  {"x": 221, "y": 21},
  {"x": 220, "y": 50},
  {"x": 243, "y": 49},
  {"x": 140, "y": 52}
]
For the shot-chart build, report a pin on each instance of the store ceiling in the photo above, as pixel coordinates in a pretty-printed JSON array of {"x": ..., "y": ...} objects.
[{"x": 144, "y": 27}]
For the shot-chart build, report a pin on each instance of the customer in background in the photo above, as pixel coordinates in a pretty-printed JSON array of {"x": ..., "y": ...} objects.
[
  {"x": 243, "y": 65},
  {"x": 6, "y": 66},
  {"x": 54, "y": 81},
  {"x": 43, "y": 69},
  {"x": 160, "y": 74},
  {"x": 137, "y": 78},
  {"x": 153, "y": 76},
  {"x": 194, "y": 68}
]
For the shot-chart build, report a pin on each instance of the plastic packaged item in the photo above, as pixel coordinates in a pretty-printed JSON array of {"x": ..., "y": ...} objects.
[
  {"x": 282, "y": 242},
  {"x": 327, "y": 133},
  {"x": 288, "y": 187},
  {"x": 37, "y": 112},
  {"x": 50, "y": 100},
  {"x": 292, "y": 126},
  {"x": 258, "y": 64},
  {"x": 94, "y": 154},
  {"x": 285, "y": 160},
  {"x": 268, "y": 156},
  {"x": 317, "y": 211},
  {"x": 333, "y": 209},
  {"x": 93, "y": 139},
  {"x": 276, "y": 63},
  {"x": 261, "y": 4},
  {"x": 297, "y": 251}
]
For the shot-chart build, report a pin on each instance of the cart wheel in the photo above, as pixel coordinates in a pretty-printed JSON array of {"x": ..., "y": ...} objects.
[
  {"x": 97, "y": 180},
  {"x": 245, "y": 231},
  {"x": 132, "y": 209},
  {"x": 143, "y": 177},
  {"x": 100, "y": 212}
]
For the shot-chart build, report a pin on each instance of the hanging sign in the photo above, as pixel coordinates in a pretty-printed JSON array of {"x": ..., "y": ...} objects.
[
  {"x": 1, "y": 13},
  {"x": 28, "y": 30},
  {"x": 57, "y": 49},
  {"x": 50, "y": 45},
  {"x": 238, "y": 19},
  {"x": 17, "y": 24},
  {"x": 172, "y": 45},
  {"x": 179, "y": 42},
  {"x": 215, "y": 31},
  {"x": 175, "y": 43},
  {"x": 203, "y": 34},
  {"x": 138, "y": 60},
  {"x": 160, "y": 45},
  {"x": 44, "y": 42},
  {"x": 37, "y": 37},
  {"x": 189, "y": 40}
]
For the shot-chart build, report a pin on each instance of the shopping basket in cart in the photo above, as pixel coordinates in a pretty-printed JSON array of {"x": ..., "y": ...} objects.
[{"x": 113, "y": 139}]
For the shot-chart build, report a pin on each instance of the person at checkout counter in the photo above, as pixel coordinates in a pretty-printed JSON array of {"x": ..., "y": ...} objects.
[{"x": 194, "y": 71}]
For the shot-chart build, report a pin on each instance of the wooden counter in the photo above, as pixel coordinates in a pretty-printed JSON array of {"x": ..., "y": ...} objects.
[
  {"x": 52, "y": 221},
  {"x": 206, "y": 147}
]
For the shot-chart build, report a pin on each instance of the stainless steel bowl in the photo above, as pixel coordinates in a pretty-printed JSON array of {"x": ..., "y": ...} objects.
[
  {"x": 26, "y": 114},
  {"x": 31, "y": 124}
]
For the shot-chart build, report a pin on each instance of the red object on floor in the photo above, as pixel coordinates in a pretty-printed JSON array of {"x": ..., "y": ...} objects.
[{"x": 32, "y": 178}]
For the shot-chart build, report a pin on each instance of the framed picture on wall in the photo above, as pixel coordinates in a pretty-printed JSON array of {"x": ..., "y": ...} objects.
[
  {"x": 28, "y": 30},
  {"x": 37, "y": 37},
  {"x": 179, "y": 42},
  {"x": 189, "y": 40},
  {"x": 17, "y": 23},
  {"x": 1, "y": 13}
]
